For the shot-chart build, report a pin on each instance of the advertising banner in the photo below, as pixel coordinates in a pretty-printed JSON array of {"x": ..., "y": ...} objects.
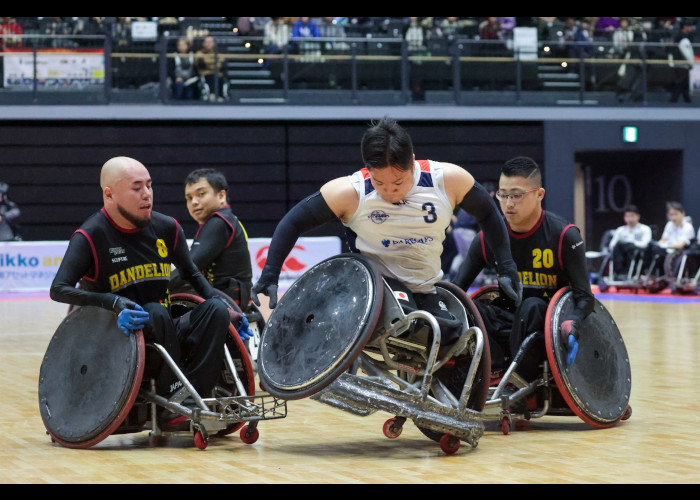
[
  {"x": 55, "y": 68},
  {"x": 30, "y": 266}
]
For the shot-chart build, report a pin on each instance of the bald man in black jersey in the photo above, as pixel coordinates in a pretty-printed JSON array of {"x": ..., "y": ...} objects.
[
  {"x": 220, "y": 246},
  {"x": 549, "y": 254},
  {"x": 121, "y": 257}
]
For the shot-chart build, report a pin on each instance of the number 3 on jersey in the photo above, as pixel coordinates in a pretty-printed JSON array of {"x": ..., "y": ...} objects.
[
  {"x": 542, "y": 258},
  {"x": 432, "y": 215}
]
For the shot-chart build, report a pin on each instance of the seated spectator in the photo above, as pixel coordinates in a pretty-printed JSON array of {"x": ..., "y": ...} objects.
[
  {"x": 94, "y": 26},
  {"x": 490, "y": 29},
  {"x": 184, "y": 79},
  {"x": 628, "y": 240},
  {"x": 9, "y": 215},
  {"x": 276, "y": 38},
  {"x": 331, "y": 29},
  {"x": 414, "y": 35},
  {"x": 60, "y": 29},
  {"x": 306, "y": 28},
  {"x": 209, "y": 65},
  {"x": 121, "y": 33},
  {"x": 677, "y": 235}
]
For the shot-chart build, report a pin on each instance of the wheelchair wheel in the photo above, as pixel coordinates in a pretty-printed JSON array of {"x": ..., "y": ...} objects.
[
  {"x": 320, "y": 326},
  {"x": 454, "y": 374},
  {"x": 180, "y": 303},
  {"x": 597, "y": 386},
  {"x": 89, "y": 378}
]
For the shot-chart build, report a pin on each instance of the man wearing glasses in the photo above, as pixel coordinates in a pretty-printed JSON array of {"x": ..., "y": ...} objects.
[{"x": 549, "y": 254}]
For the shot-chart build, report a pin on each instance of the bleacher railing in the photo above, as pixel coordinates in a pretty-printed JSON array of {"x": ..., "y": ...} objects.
[{"x": 90, "y": 69}]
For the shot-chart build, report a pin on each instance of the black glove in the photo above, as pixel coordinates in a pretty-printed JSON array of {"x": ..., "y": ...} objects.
[
  {"x": 509, "y": 282},
  {"x": 267, "y": 285}
]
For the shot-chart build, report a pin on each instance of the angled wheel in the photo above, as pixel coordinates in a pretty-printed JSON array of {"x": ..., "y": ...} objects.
[
  {"x": 391, "y": 429},
  {"x": 320, "y": 326}
]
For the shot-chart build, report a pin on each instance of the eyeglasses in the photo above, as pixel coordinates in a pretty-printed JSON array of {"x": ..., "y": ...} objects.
[{"x": 516, "y": 197}]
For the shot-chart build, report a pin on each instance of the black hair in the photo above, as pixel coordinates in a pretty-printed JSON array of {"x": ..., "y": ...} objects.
[
  {"x": 674, "y": 205},
  {"x": 523, "y": 166},
  {"x": 633, "y": 208},
  {"x": 387, "y": 144},
  {"x": 213, "y": 177}
]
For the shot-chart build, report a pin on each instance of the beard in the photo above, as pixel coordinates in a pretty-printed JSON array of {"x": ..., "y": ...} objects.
[{"x": 139, "y": 222}]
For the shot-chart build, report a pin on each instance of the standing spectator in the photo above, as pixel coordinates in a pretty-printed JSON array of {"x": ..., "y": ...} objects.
[
  {"x": 682, "y": 60},
  {"x": 209, "y": 65},
  {"x": 121, "y": 33},
  {"x": 182, "y": 72},
  {"x": 9, "y": 214},
  {"x": 94, "y": 26},
  {"x": 606, "y": 26}
]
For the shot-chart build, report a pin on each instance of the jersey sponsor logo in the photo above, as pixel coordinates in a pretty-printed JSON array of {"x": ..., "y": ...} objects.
[
  {"x": 538, "y": 279},
  {"x": 407, "y": 241},
  {"x": 573, "y": 247},
  {"x": 378, "y": 216},
  {"x": 117, "y": 251},
  {"x": 136, "y": 274}
]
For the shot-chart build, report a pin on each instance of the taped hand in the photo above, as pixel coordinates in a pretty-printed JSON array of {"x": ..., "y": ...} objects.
[
  {"x": 569, "y": 336},
  {"x": 131, "y": 317},
  {"x": 509, "y": 282}
]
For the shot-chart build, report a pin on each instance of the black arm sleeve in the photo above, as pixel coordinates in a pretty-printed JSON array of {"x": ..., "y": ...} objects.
[
  {"x": 471, "y": 266},
  {"x": 308, "y": 214},
  {"x": 76, "y": 263},
  {"x": 211, "y": 241},
  {"x": 575, "y": 266},
  {"x": 188, "y": 271},
  {"x": 479, "y": 203}
]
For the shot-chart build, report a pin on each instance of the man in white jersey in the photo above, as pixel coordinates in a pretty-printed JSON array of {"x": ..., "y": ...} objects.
[
  {"x": 628, "y": 239},
  {"x": 396, "y": 210}
]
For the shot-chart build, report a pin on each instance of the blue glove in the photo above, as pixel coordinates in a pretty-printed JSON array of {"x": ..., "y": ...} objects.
[
  {"x": 243, "y": 331},
  {"x": 569, "y": 334},
  {"x": 132, "y": 319}
]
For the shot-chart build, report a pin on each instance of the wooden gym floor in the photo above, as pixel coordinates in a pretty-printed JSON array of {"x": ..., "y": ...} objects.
[{"x": 319, "y": 444}]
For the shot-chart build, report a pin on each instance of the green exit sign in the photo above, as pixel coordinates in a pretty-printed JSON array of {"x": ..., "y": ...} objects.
[{"x": 630, "y": 134}]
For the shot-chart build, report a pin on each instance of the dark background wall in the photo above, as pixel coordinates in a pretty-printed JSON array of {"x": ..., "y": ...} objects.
[{"x": 53, "y": 166}]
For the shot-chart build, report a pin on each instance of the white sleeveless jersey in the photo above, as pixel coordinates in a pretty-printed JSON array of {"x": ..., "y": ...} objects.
[{"x": 404, "y": 239}]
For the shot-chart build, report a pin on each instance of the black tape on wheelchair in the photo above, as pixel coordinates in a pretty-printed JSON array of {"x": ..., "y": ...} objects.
[
  {"x": 320, "y": 326},
  {"x": 89, "y": 377},
  {"x": 597, "y": 385}
]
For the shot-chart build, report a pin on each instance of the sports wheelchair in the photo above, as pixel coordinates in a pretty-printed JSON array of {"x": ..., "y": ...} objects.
[
  {"x": 340, "y": 336},
  {"x": 95, "y": 381},
  {"x": 595, "y": 387}
]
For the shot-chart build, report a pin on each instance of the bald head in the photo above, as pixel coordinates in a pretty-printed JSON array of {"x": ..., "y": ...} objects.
[
  {"x": 127, "y": 192},
  {"x": 116, "y": 168}
]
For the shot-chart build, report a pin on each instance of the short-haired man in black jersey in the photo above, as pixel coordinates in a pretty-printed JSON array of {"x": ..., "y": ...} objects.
[
  {"x": 121, "y": 256},
  {"x": 549, "y": 254},
  {"x": 220, "y": 246}
]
